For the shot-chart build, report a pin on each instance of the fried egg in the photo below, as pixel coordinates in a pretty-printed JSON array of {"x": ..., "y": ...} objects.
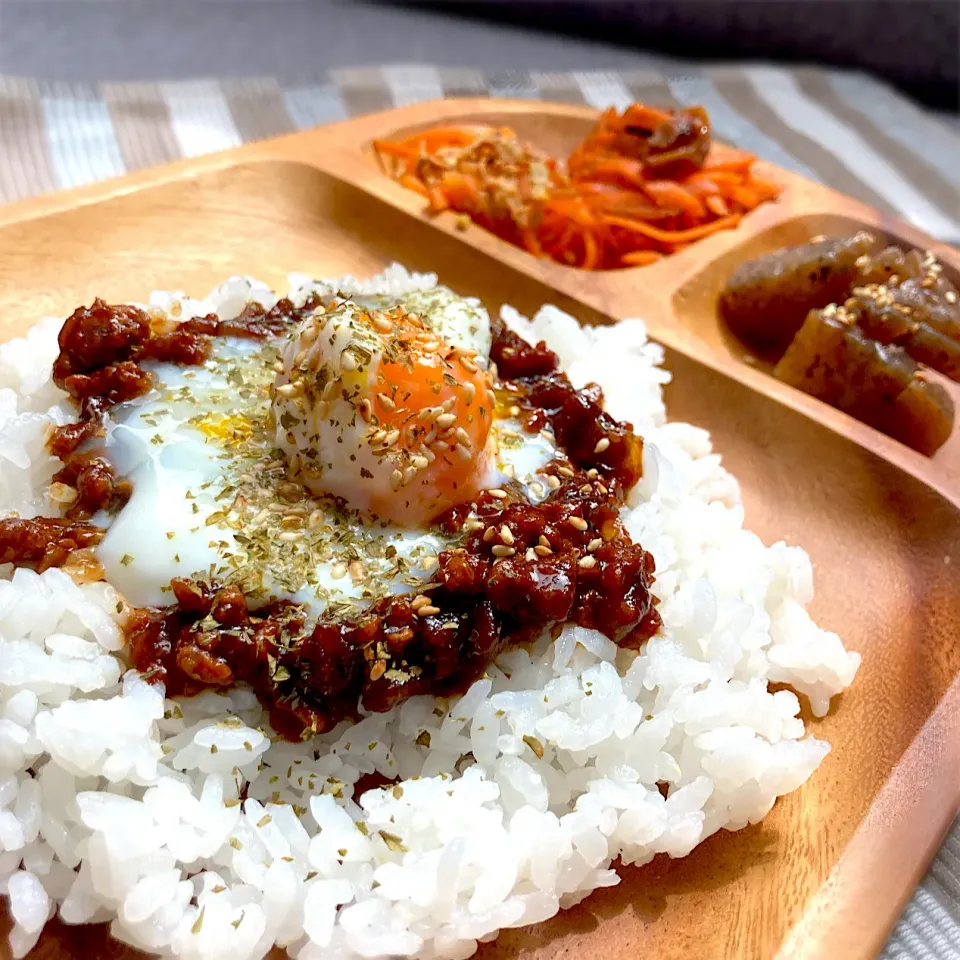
[{"x": 310, "y": 467}]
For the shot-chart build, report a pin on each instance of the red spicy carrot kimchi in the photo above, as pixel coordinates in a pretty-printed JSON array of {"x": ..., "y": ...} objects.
[{"x": 643, "y": 184}]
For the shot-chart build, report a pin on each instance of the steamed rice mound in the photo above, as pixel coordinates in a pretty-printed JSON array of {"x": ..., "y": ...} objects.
[{"x": 511, "y": 802}]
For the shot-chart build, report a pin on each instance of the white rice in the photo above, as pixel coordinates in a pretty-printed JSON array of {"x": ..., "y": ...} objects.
[{"x": 512, "y": 802}]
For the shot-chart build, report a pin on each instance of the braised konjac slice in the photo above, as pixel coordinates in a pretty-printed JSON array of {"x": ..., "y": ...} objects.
[
  {"x": 833, "y": 360},
  {"x": 893, "y": 315},
  {"x": 922, "y": 417},
  {"x": 766, "y": 300}
]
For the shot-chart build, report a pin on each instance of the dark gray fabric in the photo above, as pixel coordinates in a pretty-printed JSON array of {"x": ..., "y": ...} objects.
[{"x": 912, "y": 43}]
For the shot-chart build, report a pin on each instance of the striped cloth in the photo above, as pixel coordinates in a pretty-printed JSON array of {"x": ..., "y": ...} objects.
[{"x": 843, "y": 129}]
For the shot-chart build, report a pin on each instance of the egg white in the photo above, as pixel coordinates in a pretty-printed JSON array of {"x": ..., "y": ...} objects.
[{"x": 180, "y": 521}]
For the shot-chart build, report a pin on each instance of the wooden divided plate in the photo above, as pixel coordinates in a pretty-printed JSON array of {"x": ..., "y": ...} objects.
[{"x": 829, "y": 870}]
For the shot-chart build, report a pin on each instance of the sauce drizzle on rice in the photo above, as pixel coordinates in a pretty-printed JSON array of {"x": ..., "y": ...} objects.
[{"x": 520, "y": 566}]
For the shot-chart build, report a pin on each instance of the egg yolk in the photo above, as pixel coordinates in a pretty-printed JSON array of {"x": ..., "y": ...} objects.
[
  {"x": 433, "y": 409},
  {"x": 377, "y": 408}
]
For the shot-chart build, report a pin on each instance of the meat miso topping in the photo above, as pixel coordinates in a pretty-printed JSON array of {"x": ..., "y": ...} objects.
[
  {"x": 520, "y": 564},
  {"x": 101, "y": 348},
  {"x": 521, "y": 568}
]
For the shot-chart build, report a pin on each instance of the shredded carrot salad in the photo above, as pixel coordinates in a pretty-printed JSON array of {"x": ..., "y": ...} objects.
[{"x": 643, "y": 184}]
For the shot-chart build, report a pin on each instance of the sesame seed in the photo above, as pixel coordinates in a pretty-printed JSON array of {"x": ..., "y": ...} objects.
[
  {"x": 348, "y": 361},
  {"x": 595, "y": 544},
  {"x": 440, "y": 446},
  {"x": 448, "y": 404},
  {"x": 500, "y": 550},
  {"x": 62, "y": 493},
  {"x": 286, "y": 390},
  {"x": 381, "y": 323},
  {"x": 408, "y": 474},
  {"x": 602, "y": 444},
  {"x": 428, "y": 455},
  {"x": 386, "y": 402},
  {"x": 366, "y": 410},
  {"x": 329, "y": 390},
  {"x": 391, "y": 438},
  {"x": 288, "y": 536},
  {"x": 469, "y": 365},
  {"x": 587, "y": 562},
  {"x": 578, "y": 523},
  {"x": 446, "y": 420},
  {"x": 506, "y": 535},
  {"x": 396, "y": 480},
  {"x": 420, "y": 462},
  {"x": 338, "y": 571},
  {"x": 463, "y": 452},
  {"x": 428, "y": 611},
  {"x": 464, "y": 437},
  {"x": 301, "y": 356},
  {"x": 553, "y": 482},
  {"x": 469, "y": 392},
  {"x": 498, "y": 494}
]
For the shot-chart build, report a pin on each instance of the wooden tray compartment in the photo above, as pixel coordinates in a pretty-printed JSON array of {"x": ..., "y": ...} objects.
[
  {"x": 829, "y": 869},
  {"x": 677, "y": 296}
]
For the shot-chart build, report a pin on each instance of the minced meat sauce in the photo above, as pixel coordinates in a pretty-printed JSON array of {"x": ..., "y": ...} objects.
[{"x": 521, "y": 567}]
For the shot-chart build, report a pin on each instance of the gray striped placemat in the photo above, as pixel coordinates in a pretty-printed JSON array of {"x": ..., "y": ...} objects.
[{"x": 844, "y": 129}]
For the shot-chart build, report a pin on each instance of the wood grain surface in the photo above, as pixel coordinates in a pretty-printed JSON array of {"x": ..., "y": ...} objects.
[{"x": 828, "y": 871}]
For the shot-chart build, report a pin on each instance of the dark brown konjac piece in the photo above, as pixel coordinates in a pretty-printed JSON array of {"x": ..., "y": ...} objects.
[
  {"x": 832, "y": 359},
  {"x": 566, "y": 559},
  {"x": 766, "y": 300},
  {"x": 873, "y": 316}
]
